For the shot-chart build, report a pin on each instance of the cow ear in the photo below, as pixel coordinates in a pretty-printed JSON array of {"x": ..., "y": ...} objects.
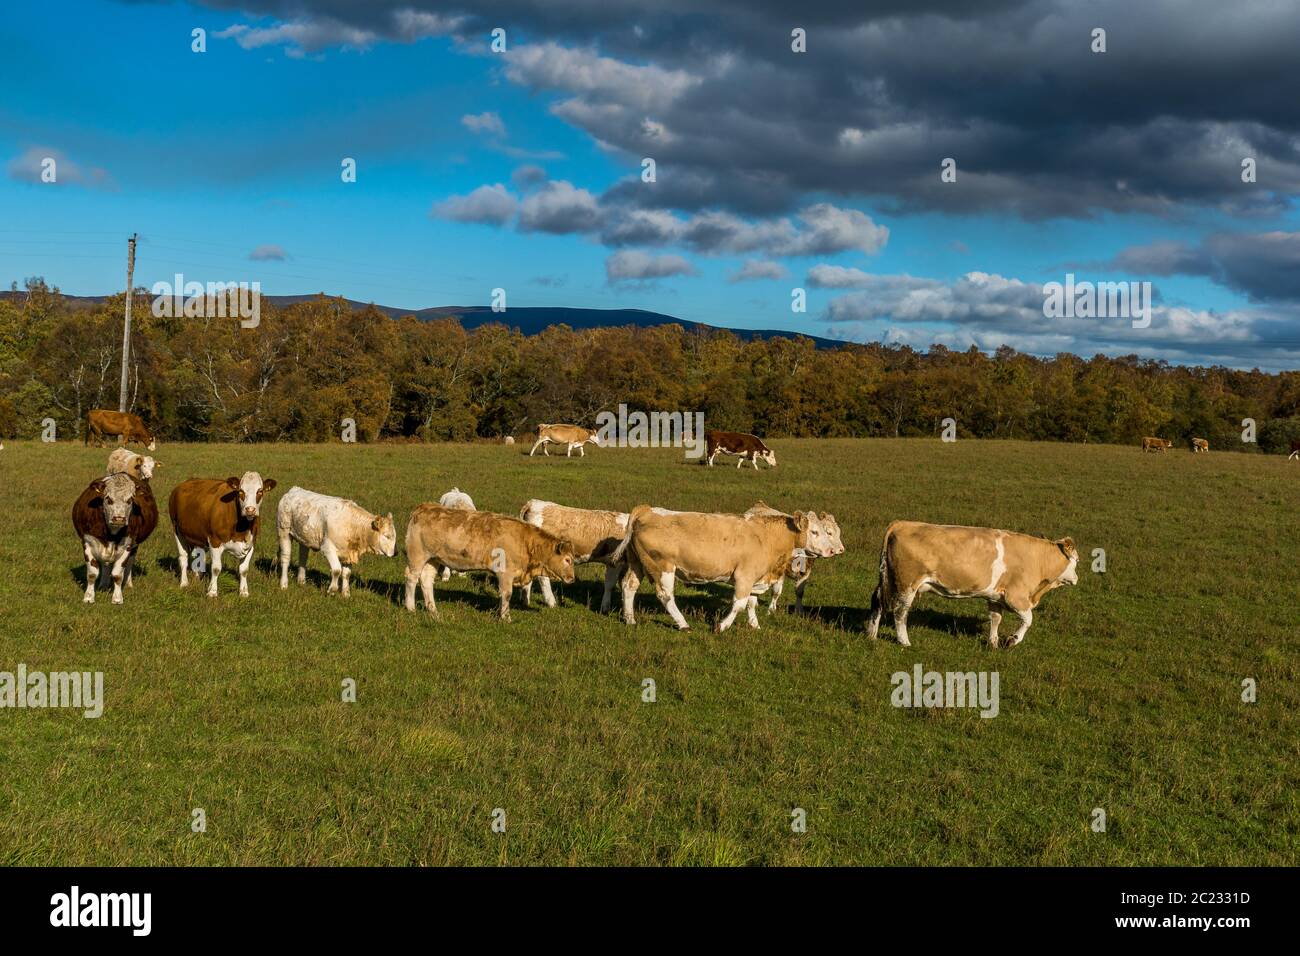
[
  {"x": 374, "y": 524},
  {"x": 563, "y": 545},
  {"x": 98, "y": 485},
  {"x": 232, "y": 482},
  {"x": 268, "y": 484},
  {"x": 801, "y": 519},
  {"x": 1067, "y": 546}
]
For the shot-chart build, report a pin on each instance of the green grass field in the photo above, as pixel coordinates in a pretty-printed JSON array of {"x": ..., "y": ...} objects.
[{"x": 1126, "y": 694}]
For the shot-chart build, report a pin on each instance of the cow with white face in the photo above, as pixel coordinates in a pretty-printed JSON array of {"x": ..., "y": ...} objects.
[
  {"x": 218, "y": 515},
  {"x": 1011, "y": 571},
  {"x": 801, "y": 566}
]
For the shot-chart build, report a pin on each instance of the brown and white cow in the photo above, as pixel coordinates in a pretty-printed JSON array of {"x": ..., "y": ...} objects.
[
  {"x": 220, "y": 514},
  {"x": 1200, "y": 444},
  {"x": 112, "y": 518},
  {"x": 516, "y": 552},
  {"x": 574, "y": 436},
  {"x": 1156, "y": 444},
  {"x": 750, "y": 553},
  {"x": 737, "y": 443},
  {"x": 339, "y": 528},
  {"x": 595, "y": 536},
  {"x": 137, "y": 466},
  {"x": 101, "y": 422},
  {"x": 1011, "y": 571},
  {"x": 801, "y": 565}
]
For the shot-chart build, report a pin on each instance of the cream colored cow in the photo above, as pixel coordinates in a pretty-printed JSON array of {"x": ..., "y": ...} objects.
[
  {"x": 595, "y": 536},
  {"x": 750, "y": 553},
  {"x": 1011, "y": 571},
  {"x": 340, "y": 529},
  {"x": 801, "y": 565},
  {"x": 125, "y": 461}
]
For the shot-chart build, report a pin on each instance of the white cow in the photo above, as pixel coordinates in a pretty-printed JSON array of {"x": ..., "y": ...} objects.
[
  {"x": 125, "y": 460},
  {"x": 340, "y": 529}
]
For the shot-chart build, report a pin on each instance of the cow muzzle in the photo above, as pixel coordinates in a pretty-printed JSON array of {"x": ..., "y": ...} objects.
[{"x": 250, "y": 512}]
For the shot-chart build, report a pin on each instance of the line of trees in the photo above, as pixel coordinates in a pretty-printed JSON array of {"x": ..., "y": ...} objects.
[{"x": 309, "y": 366}]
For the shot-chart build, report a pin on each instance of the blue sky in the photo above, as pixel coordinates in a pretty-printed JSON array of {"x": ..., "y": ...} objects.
[{"x": 212, "y": 156}]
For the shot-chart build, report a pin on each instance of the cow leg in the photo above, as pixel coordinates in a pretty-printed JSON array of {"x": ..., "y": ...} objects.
[
  {"x": 428, "y": 574},
  {"x": 569, "y": 450},
  {"x": 711, "y": 457},
  {"x": 347, "y": 581},
  {"x": 611, "y": 578},
  {"x": 739, "y": 603},
  {"x": 582, "y": 450},
  {"x": 901, "y": 607},
  {"x": 215, "y": 558},
  {"x": 330, "y": 554},
  {"x": 631, "y": 581},
  {"x": 664, "y": 590},
  {"x": 995, "y": 619},
  {"x": 547, "y": 595},
  {"x": 753, "y": 459},
  {"x": 798, "y": 594},
  {"x": 243, "y": 571},
  {"x": 751, "y": 611},
  {"x": 184, "y": 560},
  {"x": 118, "y": 572},
  {"x": 286, "y": 548},
  {"x": 303, "y": 553},
  {"x": 130, "y": 568},
  {"x": 1026, "y": 618},
  {"x": 877, "y": 609},
  {"x": 506, "y": 584},
  {"x": 92, "y": 576},
  {"x": 777, "y": 588}
]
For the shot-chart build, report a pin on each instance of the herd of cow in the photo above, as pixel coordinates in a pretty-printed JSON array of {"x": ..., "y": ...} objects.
[{"x": 754, "y": 552}]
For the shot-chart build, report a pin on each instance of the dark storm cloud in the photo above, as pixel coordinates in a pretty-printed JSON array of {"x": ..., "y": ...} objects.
[
  {"x": 1040, "y": 126},
  {"x": 1264, "y": 266}
]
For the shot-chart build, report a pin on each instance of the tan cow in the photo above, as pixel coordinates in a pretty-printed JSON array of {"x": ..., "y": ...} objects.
[
  {"x": 125, "y": 461},
  {"x": 1011, "y": 571},
  {"x": 750, "y": 553},
  {"x": 1156, "y": 444},
  {"x": 220, "y": 515},
  {"x": 516, "y": 552},
  {"x": 1199, "y": 445},
  {"x": 801, "y": 565},
  {"x": 572, "y": 435},
  {"x": 595, "y": 536}
]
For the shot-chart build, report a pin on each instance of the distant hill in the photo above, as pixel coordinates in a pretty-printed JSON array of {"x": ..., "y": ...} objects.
[{"x": 528, "y": 320}]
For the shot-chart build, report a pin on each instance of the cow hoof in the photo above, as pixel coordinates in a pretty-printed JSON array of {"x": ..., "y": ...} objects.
[
  {"x": 117, "y": 600},
  {"x": 88, "y": 598}
]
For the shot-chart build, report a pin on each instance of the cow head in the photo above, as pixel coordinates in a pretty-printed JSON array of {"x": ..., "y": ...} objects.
[
  {"x": 147, "y": 465},
  {"x": 249, "y": 491},
  {"x": 115, "y": 496},
  {"x": 558, "y": 561},
  {"x": 385, "y": 535},
  {"x": 819, "y": 535},
  {"x": 768, "y": 456},
  {"x": 153, "y": 444},
  {"x": 1071, "y": 573}
]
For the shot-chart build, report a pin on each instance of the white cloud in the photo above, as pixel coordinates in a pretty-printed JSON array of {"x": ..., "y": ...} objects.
[
  {"x": 634, "y": 265},
  {"x": 489, "y": 123},
  {"x": 493, "y": 205}
]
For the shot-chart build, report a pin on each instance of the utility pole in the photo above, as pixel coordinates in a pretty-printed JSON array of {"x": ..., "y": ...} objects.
[{"x": 126, "y": 324}]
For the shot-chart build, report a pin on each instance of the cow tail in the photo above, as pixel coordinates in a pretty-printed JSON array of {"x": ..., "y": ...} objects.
[
  {"x": 632, "y": 518},
  {"x": 883, "y": 596}
]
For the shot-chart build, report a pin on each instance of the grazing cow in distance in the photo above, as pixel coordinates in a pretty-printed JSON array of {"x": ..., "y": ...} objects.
[
  {"x": 750, "y": 553},
  {"x": 510, "y": 439},
  {"x": 1295, "y": 449},
  {"x": 220, "y": 514},
  {"x": 1156, "y": 444},
  {"x": 101, "y": 422},
  {"x": 595, "y": 536},
  {"x": 801, "y": 565},
  {"x": 737, "y": 443},
  {"x": 112, "y": 517},
  {"x": 340, "y": 529},
  {"x": 574, "y": 436},
  {"x": 1011, "y": 571},
  {"x": 516, "y": 552},
  {"x": 137, "y": 466},
  {"x": 1200, "y": 444}
]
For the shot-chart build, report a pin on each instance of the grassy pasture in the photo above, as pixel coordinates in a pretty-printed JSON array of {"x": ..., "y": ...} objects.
[{"x": 1126, "y": 694}]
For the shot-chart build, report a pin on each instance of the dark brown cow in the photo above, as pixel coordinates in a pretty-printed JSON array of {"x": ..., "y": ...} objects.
[
  {"x": 220, "y": 515},
  {"x": 101, "y": 423},
  {"x": 112, "y": 518},
  {"x": 738, "y": 443}
]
